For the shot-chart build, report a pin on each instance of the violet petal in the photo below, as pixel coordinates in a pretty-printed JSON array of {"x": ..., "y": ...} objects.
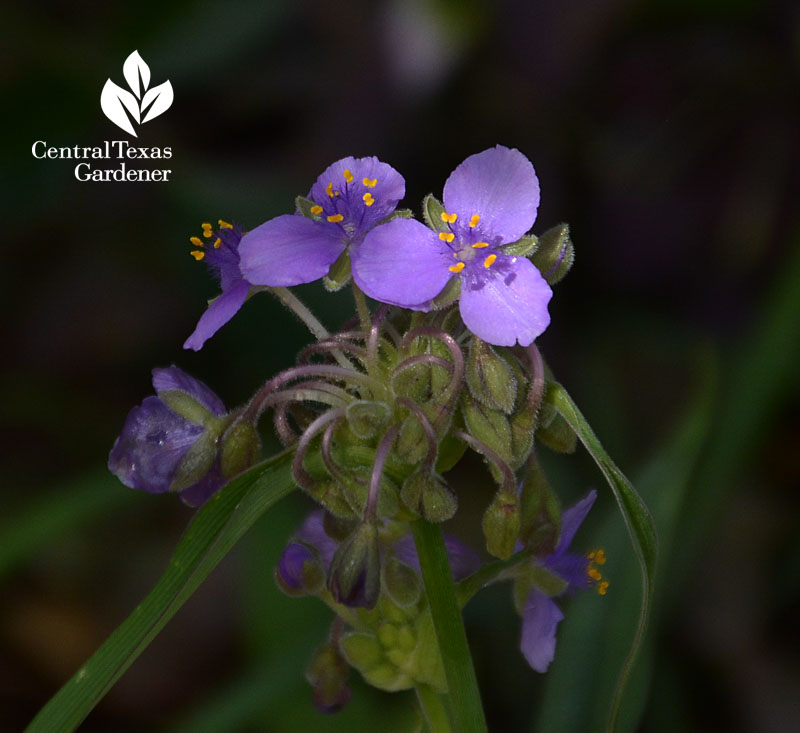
[
  {"x": 218, "y": 313},
  {"x": 174, "y": 378},
  {"x": 539, "y": 621}
]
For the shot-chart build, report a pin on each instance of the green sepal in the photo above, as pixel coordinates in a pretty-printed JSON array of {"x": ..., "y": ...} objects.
[
  {"x": 366, "y": 417},
  {"x": 428, "y": 495},
  {"x": 540, "y": 511},
  {"x": 432, "y": 210},
  {"x": 523, "y": 247},
  {"x": 197, "y": 462},
  {"x": 304, "y": 207},
  {"x": 397, "y": 214},
  {"x": 339, "y": 273},
  {"x": 490, "y": 427},
  {"x": 501, "y": 523},
  {"x": 401, "y": 583},
  {"x": 555, "y": 253},
  {"x": 489, "y": 378},
  {"x": 449, "y": 295},
  {"x": 241, "y": 448},
  {"x": 191, "y": 409},
  {"x": 558, "y": 436},
  {"x": 362, "y": 650},
  {"x": 451, "y": 451}
]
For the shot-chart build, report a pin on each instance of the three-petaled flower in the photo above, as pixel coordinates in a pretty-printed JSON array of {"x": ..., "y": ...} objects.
[
  {"x": 347, "y": 200},
  {"x": 541, "y": 615},
  {"x": 490, "y": 200}
]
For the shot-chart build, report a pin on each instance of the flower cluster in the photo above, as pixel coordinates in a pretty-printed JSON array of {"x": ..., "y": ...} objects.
[{"x": 377, "y": 414}]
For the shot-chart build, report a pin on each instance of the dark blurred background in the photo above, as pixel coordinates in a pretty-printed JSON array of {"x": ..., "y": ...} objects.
[{"x": 664, "y": 131}]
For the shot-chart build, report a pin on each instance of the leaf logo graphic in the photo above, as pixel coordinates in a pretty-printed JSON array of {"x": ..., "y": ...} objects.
[{"x": 142, "y": 103}]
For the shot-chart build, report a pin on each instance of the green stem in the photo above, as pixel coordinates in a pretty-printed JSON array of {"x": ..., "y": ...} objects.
[
  {"x": 465, "y": 700},
  {"x": 433, "y": 708},
  {"x": 364, "y": 316}
]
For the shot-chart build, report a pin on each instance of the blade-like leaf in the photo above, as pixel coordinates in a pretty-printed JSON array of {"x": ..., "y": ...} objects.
[
  {"x": 214, "y": 530},
  {"x": 635, "y": 514},
  {"x": 160, "y": 97},
  {"x": 134, "y": 67},
  {"x": 114, "y": 101}
]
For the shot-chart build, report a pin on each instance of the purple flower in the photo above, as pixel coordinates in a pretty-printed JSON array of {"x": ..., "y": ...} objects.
[
  {"x": 220, "y": 252},
  {"x": 490, "y": 200},
  {"x": 348, "y": 199},
  {"x": 161, "y": 449},
  {"x": 541, "y": 615}
]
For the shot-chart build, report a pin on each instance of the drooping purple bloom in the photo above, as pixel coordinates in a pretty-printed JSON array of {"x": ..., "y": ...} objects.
[
  {"x": 490, "y": 200},
  {"x": 541, "y": 614},
  {"x": 348, "y": 199},
  {"x": 220, "y": 252},
  {"x": 155, "y": 439}
]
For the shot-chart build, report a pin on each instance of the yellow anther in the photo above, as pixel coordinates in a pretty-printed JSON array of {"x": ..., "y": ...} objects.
[
  {"x": 455, "y": 254},
  {"x": 348, "y": 176},
  {"x": 316, "y": 210},
  {"x": 457, "y": 267},
  {"x": 207, "y": 225},
  {"x": 329, "y": 189},
  {"x": 368, "y": 200},
  {"x": 480, "y": 245},
  {"x": 207, "y": 229},
  {"x": 600, "y": 557},
  {"x": 198, "y": 254},
  {"x": 335, "y": 218},
  {"x": 594, "y": 574},
  {"x": 489, "y": 261},
  {"x": 602, "y": 589},
  {"x": 474, "y": 219},
  {"x": 217, "y": 243},
  {"x": 449, "y": 218},
  {"x": 225, "y": 224},
  {"x": 370, "y": 182},
  {"x": 592, "y": 555},
  {"x": 447, "y": 236},
  {"x": 196, "y": 241}
]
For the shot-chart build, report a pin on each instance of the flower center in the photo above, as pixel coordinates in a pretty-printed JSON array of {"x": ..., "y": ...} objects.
[
  {"x": 466, "y": 243},
  {"x": 345, "y": 200},
  {"x": 595, "y": 558}
]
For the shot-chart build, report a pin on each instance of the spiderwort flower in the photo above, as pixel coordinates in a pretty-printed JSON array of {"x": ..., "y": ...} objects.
[
  {"x": 348, "y": 199},
  {"x": 168, "y": 443},
  {"x": 220, "y": 252},
  {"x": 490, "y": 200},
  {"x": 541, "y": 615}
]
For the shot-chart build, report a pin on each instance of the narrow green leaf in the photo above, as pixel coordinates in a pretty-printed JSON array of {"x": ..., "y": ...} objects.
[
  {"x": 638, "y": 521},
  {"x": 211, "y": 534}
]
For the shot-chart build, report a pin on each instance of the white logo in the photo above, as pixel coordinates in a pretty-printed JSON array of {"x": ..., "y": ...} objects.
[{"x": 143, "y": 104}]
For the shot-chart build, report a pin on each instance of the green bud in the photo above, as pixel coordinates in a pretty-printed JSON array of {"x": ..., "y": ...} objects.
[
  {"x": 451, "y": 450},
  {"x": 549, "y": 583},
  {"x": 555, "y": 254},
  {"x": 491, "y": 427},
  {"x": 501, "y": 523},
  {"x": 197, "y": 462},
  {"x": 558, "y": 435},
  {"x": 241, "y": 448},
  {"x": 354, "y": 578},
  {"x": 411, "y": 445},
  {"x": 304, "y": 207},
  {"x": 183, "y": 404},
  {"x": 432, "y": 211},
  {"x": 541, "y": 511},
  {"x": 327, "y": 674},
  {"x": 522, "y": 247},
  {"x": 339, "y": 273},
  {"x": 362, "y": 650},
  {"x": 401, "y": 583},
  {"x": 366, "y": 418},
  {"x": 337, "y": 528},
  {"x": 387, "y": 676},
  {"x": 427, "y": 495},
  {"x": 489, "y": 377}
]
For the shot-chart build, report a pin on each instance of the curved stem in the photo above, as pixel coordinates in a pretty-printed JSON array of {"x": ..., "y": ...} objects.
[
  {"x": 430, "y": 434},
  {"x": 509, "y": 482},
  {"x": 301, "y": 476},
  {"x": 462, "y": 684},
  {"x": 371, "y": 509}
]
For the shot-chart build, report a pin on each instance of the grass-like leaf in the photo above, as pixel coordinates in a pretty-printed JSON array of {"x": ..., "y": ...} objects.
[
  {"x": 214, "y": 530},
  {"x": 637, "y": 520}
]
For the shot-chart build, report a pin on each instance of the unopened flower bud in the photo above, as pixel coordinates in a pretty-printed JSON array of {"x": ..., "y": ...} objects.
[
  {"x": 557, "y": 435},
  {"x": 241, "y": 448},
  {"x": 501, "y": 523},
  {"x": 555, "y": 253},
  {"x": 489, "y": 378},
  {"x": 401, "y": 583},
  {"x": 339, "y": 274},
  {"x": 327, "y": 674},
  {"x": 491, "y": 427},
  {"x": 366, "y": 418},
  {"x": 354, "y": 578},
  {"x": 427, "y": 495},
  {"x": 299, "y": 571},
  {"x": 523, "y": 247}
]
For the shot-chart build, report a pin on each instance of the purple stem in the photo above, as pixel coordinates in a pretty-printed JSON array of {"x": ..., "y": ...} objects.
[
  {"x": 426, "y": 426},
  {"x": 371, "y": 509},
  {"x": 301, "y": 476},
  {"x": 509, "y": 482}
]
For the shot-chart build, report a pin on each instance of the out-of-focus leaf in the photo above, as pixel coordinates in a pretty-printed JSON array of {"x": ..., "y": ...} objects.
[{"x": 215, "y": 529}]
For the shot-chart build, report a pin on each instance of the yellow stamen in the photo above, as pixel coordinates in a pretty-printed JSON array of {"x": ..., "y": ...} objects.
[
  {"x": 198, "y": 254},
  {"x": 335, "y": 218},
  {"x": 480, "y": 245},
  {"x": 368, "y": 200},
  {"x": 447, "y": 236},
  {"x": 207, "y": 229},
  {"x": 316, "y": 210},
  {"x": 329, "y": 189},
  {"x": 473, "y": 222},
  {"x": 348, "y": 176},
  {"x": 217, "y": 243},
  {"x": 196, "y": 241},
  {"x": 455, "y": 254},
  {"x": 207, "y": 225},
  {"x": 457, "y": 267},
  {"x": 600, "y": 557},
  {"x": 370, "y": 182},
  {"x": 449, "y": 218},
  {"x": 602, "y": 589},
  {"x": 489, "y": 261},
  {"x": 594, "y": 574},
  {"x": 225, "y": 224}
]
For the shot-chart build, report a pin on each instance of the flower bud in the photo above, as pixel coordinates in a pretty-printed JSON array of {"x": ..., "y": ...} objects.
[
  {"x": 540, "y": 509},
  {"x": 501, "y": 524},
  {"x": 354, "y": 578},
  {"x": 491, "y": 427},
  {"x": 523, "y": 247},
  {"x": 366, "y": 418},
  {"x": 401, "y": 583},
  {"x": 555, "y": 254},
  {"x": 299, "y": 571},
  {"x": 489, "y": 378},
  {"x": 427, "y": 495},
  {"x": 432, "y": 210},
  {"x": 241, "y": 448},
  {"x": 557, "y": 434},
  {"x": 327, "y": 674}
]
